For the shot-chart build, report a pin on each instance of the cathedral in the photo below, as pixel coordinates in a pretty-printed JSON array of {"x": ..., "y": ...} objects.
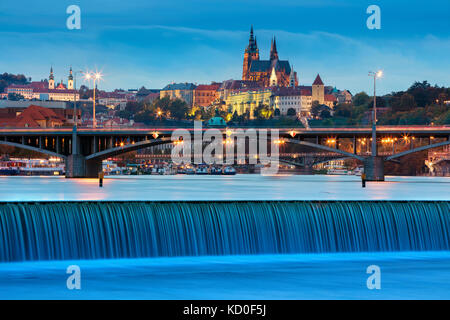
[{"x": 269, "y": 73}]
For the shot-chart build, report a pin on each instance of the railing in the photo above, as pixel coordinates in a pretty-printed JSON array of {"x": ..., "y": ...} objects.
[{"x": 380, "y": 129}]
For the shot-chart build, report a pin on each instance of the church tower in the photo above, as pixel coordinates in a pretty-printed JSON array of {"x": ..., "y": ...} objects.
[
  {"x": 70, "y": 81},
  {"x": 51, "y": 80},
  {"x": 273, "y": 78},
  {"x": 318, "y": 90},
  {"x": 251, "y": 53},
  {"x": 293, "y": 81}
]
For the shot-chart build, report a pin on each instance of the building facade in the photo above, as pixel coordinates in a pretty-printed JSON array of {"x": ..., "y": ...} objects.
[
  {"x": 287, "y": 100},
  {"x": 205, "y": 95},
  {"x": 183, "y": 91},
  {"x": 244, "y": 101}
]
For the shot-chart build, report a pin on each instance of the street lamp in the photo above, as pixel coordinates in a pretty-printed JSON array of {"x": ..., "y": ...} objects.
[
  {"x": 375, "y": 75},
  {"x": 94, "y": 77},
  {"x": 75, "y": 119}
]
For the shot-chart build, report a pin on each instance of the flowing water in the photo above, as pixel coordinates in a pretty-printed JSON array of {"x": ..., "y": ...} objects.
[{"x": 93, "y": 230}]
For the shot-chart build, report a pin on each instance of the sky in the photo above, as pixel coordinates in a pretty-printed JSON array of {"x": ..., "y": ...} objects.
[{"x": 152, "y": 43}]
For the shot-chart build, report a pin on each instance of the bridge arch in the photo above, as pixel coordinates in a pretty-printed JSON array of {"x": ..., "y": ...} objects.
[
  {"x": 164, "y": 140},
  {"x": 322, "y": 147},
  {"x": 422, "y": 148},
  {"x": 31, "y": 148},
  {"x": 127, "y": 148}
]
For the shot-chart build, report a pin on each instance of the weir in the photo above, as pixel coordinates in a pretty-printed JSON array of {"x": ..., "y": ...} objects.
[{"x": 98, "y": 230}]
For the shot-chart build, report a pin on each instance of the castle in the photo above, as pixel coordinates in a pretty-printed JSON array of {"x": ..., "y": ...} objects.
[{"x": 269, "y": 73}]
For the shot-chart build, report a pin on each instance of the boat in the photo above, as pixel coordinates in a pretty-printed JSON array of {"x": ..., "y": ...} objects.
[
  {"x": 215, "y": 170},
  {"x": 181, "y": 170},
  {"x": 339, "y": 172},
  {"x": 9, "y": 171},
  {"x": 229, "y": 171},
  {"x": 201, "y": 169},
  {"x": 32, "y": 167}
]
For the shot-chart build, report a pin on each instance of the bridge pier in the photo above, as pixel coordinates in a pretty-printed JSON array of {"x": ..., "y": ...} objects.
[
  {"x": 78, "y": 167},
  {"x": 374, "y": 168}
]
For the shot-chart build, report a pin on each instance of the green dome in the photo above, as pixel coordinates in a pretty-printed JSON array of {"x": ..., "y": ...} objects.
[{"x": 216, "y": 121}]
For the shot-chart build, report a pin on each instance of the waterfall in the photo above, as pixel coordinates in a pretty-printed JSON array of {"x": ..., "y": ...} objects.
[{"x": 97, "y": 230}]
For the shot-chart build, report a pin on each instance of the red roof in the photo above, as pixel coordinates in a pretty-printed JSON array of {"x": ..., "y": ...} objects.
[
  {"x": 286, "y": 91},
  {"x": 318, "y": 81},
  {"x": 214, "y": 87},
  {"x": 19, "y": 86},
  {"x": 305, "y": 92},
  {"x": 31, "y": 115},
  {"x": 330, "y": 97}
]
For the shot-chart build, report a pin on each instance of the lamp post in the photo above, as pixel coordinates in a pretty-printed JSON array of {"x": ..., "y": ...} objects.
[
  {"x": 375, "y": 75},
  {"x": 94, "y": 76},
  {"x": 75, "y": 119}
]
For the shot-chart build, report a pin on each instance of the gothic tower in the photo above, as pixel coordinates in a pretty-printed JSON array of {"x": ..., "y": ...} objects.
[
  {"x": 70, "y": 81},
  {"x": 293, "y": 78},
  {"x": 318, "y": 90},
  {"x": 273, "y": 50},
  {"x": 251, "y": 53},
  {"x": 51, "y": 80}
]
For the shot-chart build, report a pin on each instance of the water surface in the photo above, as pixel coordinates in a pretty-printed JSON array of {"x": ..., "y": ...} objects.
[{"x": 209, "y": 188}]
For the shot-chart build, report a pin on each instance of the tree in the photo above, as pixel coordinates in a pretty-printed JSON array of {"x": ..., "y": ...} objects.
[
  {"x": 325, "y": 114},
  {"x": 7, "y": 79},
  {"x": 178, "y": 109},
  {"x": 442, "y": 97},
  {"x": 291, "y": 112},
  {"x": 361, "y": 99},
  {"x": 315, "y": 109},
  {"x": 131, "y": 109},
  {"x": 343, "y": 110},
  {"x": 381, "y": 103},
  {"x": 15, "y": 96},
  {"x": 84, "y": 92},
  {"x": 405, "y": 103},
  {"x": 263, "y": 112}
]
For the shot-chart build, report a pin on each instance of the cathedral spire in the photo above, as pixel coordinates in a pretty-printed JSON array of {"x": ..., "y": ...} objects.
[
  {"x": 273, "y": 49},
  {"x": 252, "y": 47}
]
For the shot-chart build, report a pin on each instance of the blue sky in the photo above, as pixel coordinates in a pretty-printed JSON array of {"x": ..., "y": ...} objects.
[{"x": 152, "y": 43}]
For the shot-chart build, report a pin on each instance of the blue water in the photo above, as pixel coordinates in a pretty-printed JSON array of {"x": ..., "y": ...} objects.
[
  {"x": 223, "y": 188},
  {"x": 404, "y": 275}
]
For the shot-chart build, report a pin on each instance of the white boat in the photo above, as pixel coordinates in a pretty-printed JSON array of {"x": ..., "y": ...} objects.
[{"x": 340, "y": 172}]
